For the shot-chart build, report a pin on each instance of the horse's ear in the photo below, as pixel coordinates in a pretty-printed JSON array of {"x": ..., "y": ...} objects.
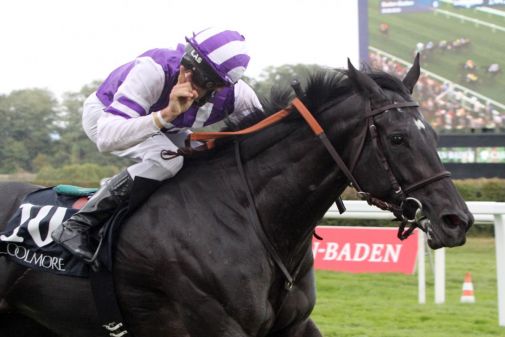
[
  {"x": 412, "y": 76},
  {"x": 363, "y": 83}
]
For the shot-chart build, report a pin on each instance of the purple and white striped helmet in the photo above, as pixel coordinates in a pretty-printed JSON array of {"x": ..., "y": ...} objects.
[{"x": 224, "y": 50}]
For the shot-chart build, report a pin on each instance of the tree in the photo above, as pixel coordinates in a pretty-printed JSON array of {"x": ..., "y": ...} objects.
[
  {"x": 73, "y": 146},
  {"x": 27, "y": 125}
]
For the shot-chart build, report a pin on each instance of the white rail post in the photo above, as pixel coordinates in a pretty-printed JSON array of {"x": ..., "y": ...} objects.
[
  {"x": 440, "y": 276},
  {"x": 421, "y": 267},
  {"x": 499, "y": 232}
]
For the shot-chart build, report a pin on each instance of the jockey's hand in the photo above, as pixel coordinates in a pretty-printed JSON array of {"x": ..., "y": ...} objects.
[{"x": 181, "y": 97}]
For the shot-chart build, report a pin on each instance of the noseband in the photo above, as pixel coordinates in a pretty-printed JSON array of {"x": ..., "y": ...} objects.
[{"x": 408, "y": 207}]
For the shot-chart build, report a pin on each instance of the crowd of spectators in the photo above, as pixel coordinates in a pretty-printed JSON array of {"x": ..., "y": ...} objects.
[{"x": 448, "y": 109}]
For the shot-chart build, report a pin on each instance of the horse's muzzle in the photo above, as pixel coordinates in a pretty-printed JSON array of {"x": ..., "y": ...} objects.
[{"x": 450, "y": 231}]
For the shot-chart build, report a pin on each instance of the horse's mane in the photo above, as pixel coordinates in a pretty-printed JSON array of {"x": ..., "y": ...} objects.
[{"x": 320, "y": 86}]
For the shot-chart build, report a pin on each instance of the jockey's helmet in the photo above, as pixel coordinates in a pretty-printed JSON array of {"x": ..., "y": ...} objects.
[{"x": 217, "y": 57}]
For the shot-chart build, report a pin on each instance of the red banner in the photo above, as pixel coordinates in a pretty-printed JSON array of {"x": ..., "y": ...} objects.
[{"x": 364, "y": 250}]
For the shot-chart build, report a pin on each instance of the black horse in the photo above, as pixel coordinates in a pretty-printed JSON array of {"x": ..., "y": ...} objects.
[{"x": 190, "y": 262}]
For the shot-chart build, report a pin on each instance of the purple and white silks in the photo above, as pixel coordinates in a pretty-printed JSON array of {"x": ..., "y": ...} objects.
[{"x": 142, "y": 86}]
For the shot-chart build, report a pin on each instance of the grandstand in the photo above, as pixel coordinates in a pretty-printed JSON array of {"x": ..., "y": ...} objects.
[{"x": 461, "y": 89}]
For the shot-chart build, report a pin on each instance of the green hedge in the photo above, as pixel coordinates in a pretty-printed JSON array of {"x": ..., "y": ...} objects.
[{"x": 482, "y": 189}]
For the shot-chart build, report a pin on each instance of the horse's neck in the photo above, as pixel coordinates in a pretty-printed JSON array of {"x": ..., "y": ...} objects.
[{"x": 294, "y": 183}]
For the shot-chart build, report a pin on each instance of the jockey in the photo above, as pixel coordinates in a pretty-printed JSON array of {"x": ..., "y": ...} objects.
[{"x": 150, "y": 105}]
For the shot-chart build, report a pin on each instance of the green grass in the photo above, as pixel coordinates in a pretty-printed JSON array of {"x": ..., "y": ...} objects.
[
  {"x": 407, "y": 29},
  {"x": 386, "y": 305}
]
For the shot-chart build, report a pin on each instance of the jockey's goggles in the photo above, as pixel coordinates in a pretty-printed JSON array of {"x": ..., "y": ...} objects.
[{"x": 202, "y": 73}]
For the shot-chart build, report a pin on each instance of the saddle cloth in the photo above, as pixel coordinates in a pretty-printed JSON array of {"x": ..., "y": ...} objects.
[{"x": 27, "y": 237}]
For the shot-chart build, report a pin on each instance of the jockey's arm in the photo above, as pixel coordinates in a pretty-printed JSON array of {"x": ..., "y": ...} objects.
[{"x": 126, "y": 121}]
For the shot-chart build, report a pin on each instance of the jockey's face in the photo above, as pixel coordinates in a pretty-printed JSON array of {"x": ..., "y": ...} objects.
[
  {"x": 203, "y": 90},
  {"x": 203, "y": 77}
]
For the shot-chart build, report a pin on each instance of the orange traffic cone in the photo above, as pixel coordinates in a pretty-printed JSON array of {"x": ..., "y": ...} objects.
[{"x": 467, "y": 296}]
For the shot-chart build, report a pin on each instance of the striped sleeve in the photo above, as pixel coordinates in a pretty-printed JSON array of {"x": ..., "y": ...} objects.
[{"x": 141, "y": 88}]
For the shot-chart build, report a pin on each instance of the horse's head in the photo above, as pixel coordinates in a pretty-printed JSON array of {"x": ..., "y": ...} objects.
[{"x": 397, "y": 161}]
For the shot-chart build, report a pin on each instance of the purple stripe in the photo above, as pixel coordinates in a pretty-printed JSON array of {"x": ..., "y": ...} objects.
[
  {"x": 236, "y": 61},
  {"x": 223, "y": 100},
  {"x": 106, "y": 91},
  {"x": 215, "y": 116},
  {"x": 218, "y": 40},
  {"x": 116, "y": 112},
  {"x": 190, "y": 115},
  {"x": 132, "y": 105},
  {"x": 186, "y": 119}
]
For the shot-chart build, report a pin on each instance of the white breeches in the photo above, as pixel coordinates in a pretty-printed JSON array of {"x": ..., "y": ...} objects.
[{"x": 147, "y": 154}]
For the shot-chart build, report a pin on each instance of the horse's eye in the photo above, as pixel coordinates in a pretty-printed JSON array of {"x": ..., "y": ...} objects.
[{"x": 396, "y": 139}]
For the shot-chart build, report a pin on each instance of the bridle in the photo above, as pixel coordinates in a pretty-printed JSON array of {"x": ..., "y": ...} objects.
[{"x": 407, "y": 204}]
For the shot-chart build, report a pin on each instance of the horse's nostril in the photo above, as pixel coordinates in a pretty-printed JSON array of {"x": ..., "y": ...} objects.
[{"x": 453, "y": 221}]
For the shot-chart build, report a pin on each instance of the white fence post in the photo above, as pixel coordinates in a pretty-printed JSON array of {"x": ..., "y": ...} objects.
[
  {"x": 440, "y": 276},
  {"x": 421, "y": 268},
  {"x": 499, "y": 233}
]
